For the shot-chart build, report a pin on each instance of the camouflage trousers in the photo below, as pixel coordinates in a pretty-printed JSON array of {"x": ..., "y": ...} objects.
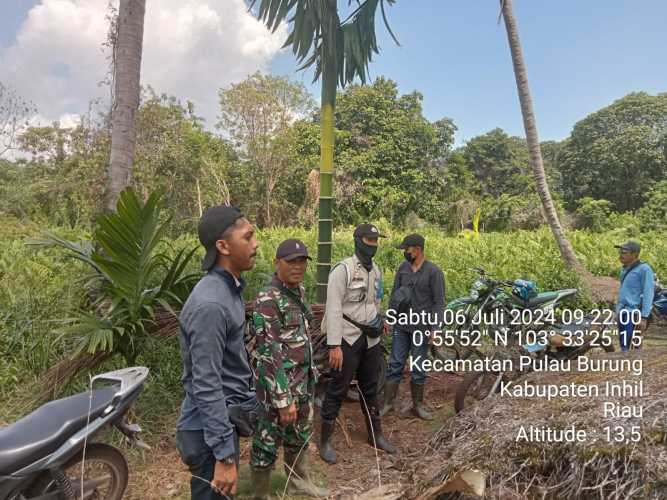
[{"x": 269, "y": 434}]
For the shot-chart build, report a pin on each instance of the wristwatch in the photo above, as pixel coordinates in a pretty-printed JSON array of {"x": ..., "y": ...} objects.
[{"x": 231, "y": 459}]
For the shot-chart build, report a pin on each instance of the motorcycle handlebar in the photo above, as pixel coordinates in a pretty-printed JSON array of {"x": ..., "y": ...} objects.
[{"x": 482, "y": 272}]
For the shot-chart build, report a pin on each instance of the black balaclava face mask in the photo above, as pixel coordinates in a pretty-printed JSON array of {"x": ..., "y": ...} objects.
[
  {"x": 364, "y": 253},
  {"x": 409, "y": 257}
]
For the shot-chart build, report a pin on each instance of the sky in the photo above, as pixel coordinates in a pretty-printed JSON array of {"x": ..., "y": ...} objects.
[{"x": 581, "y": 55}]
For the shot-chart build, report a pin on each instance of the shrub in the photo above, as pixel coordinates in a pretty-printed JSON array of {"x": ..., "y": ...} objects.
[
  {"x": 132, "y": 278},
  {"x": 592, "y": 214},
  {"x": 653, "y": 214},
  {"x": 510, "y": 212},
  {"x": 39, "y": 289}
]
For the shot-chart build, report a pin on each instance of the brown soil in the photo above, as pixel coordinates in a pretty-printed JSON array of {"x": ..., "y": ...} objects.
[
  {"x": 603, "y": 288},
  {"x": 357, "y": 466},
  {"x": 160, "y": 474}
]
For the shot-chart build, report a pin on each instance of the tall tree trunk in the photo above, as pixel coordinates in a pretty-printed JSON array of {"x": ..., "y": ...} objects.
[
  {"x": 127, "y": 69},
  {"x": 325, "y": 223},
  {"x": 530, "y": 127},
  {"x": 199, "y": 204},
  {"x": 268, "y": 190}
]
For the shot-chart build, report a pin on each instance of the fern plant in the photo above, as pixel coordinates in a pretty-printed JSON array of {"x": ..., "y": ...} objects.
[{"x": 126, "y": 267}]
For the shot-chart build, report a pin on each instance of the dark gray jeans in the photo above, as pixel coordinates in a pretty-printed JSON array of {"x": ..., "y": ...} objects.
[
  {"x": 199, "y": 458},
  {"x": 201, "y": 463}
]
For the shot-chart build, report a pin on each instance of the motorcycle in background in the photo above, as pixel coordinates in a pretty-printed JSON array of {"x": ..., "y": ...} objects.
[
  {"x": 582, "y": 338},
  {"x": 506, "y": 311},
  {"x": 659, "y": 311},
  {"x": 41, "y": 455},
  {"x": 500, "y": 300}
]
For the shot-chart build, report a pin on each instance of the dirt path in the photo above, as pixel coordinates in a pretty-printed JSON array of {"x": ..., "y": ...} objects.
[
  {"x": 357, "y": 465},
  {"x": 159, "y": 474}
]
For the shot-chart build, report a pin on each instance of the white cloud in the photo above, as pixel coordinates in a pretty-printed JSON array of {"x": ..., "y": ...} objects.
[
  {"x": 70, "y": 120},
  {"x": 65, "y": 120},
  {"x": 191, "y": 49}
]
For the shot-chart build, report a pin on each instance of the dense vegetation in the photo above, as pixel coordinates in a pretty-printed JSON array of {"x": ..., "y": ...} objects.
[
  {"x": 39, "y": 291},
  {"x": 391, "y": 162},
  {"x": 394, "y": 167}
]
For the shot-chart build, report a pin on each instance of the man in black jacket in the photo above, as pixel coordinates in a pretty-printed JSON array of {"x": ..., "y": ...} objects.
[{"x": 424, "y": 283}]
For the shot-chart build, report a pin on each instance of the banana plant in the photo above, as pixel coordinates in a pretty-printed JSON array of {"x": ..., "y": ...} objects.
[
  {"x": 133, "y": 279},
  {"x": 340, "y": 51}
]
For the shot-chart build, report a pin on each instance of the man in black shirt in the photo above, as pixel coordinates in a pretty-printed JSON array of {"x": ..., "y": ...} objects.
[{"x": 421, "y": 284}]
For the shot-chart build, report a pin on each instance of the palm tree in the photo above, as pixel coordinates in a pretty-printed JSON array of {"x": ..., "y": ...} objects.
[
  {"x": 340, "y": 51},
  {"x": 127, "y": 69},
  {"x": 530, "y": 127}
]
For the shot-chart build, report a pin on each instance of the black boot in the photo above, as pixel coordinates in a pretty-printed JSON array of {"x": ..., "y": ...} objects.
[
  {"x": 327, "y": 452},
  {"x": 390, "y": 390},
  {"x": 418, "y": 409},
  {"x": 374, "y": 428},
  {"x": 260, "y": 480}
]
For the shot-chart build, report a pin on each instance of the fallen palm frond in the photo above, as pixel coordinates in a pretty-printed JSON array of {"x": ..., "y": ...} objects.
[
  {"x": 59, "y": 375},
  {"x": 484, "y": 438},
  {"x": 165, "y": 326}
]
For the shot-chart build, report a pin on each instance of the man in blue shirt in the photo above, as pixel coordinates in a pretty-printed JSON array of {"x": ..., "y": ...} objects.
[
  {"x": 219, "y": 404},
  {"x": 635, "y": 298}
]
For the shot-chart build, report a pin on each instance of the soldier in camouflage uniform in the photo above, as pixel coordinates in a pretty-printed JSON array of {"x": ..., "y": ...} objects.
[{"x": 286, "y": 375}]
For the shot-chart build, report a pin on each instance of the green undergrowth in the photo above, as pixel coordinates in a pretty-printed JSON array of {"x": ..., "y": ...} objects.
[{"x": 40, "y": 289}]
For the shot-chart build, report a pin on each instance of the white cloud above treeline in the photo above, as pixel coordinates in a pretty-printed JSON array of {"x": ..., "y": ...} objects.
[{"x": 191, "y": 49}]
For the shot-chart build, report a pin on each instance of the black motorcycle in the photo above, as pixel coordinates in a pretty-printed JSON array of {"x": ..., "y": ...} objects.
[
  {"x": 48, "y": 455},
  {"x": 567, "y": 342},
  {"x": 659, "y": 312}
]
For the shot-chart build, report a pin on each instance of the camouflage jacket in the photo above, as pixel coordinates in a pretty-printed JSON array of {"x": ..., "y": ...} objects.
[{"x": 285, "y": 369}]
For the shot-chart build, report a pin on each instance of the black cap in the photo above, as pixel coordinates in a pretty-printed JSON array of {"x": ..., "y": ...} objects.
[
  {"x": 215, "y": 221},
  {"x": 412, "y": 240},
  {"x": 630, "y": 246},
  {"x": 292, "y": 249},
  {"x": 367, "y": 230}
]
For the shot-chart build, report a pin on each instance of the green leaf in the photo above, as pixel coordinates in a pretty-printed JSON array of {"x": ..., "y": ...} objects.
[
  {"x": 318, "y": 37},
  {"x": 128, "y": 265}
]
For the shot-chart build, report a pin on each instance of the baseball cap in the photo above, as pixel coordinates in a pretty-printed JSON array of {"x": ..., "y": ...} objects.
[
  {"x": 630, "y": 246},
  {"x": 367, "y": 230},
  {"x": 213, "y": 222},
  {"x": 412, "y": 240},
  {"x": 292, "y": 249}
]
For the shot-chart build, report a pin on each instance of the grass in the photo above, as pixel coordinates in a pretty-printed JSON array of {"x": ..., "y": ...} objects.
[
  {"x": 160, "y": 474},
  {"x": 40, "y": 288}
]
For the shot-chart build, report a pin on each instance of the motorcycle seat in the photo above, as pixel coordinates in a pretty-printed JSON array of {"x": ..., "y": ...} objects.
[
  {"x": 543, "y": 297},
  {"x": 44, "y": 430}
]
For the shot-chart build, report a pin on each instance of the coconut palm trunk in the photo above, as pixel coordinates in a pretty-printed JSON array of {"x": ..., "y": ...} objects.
[
  {"x": 127, "y": 69},
  {"x": 325, "y": 222},
  {"x": 530, "y": 127}
]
